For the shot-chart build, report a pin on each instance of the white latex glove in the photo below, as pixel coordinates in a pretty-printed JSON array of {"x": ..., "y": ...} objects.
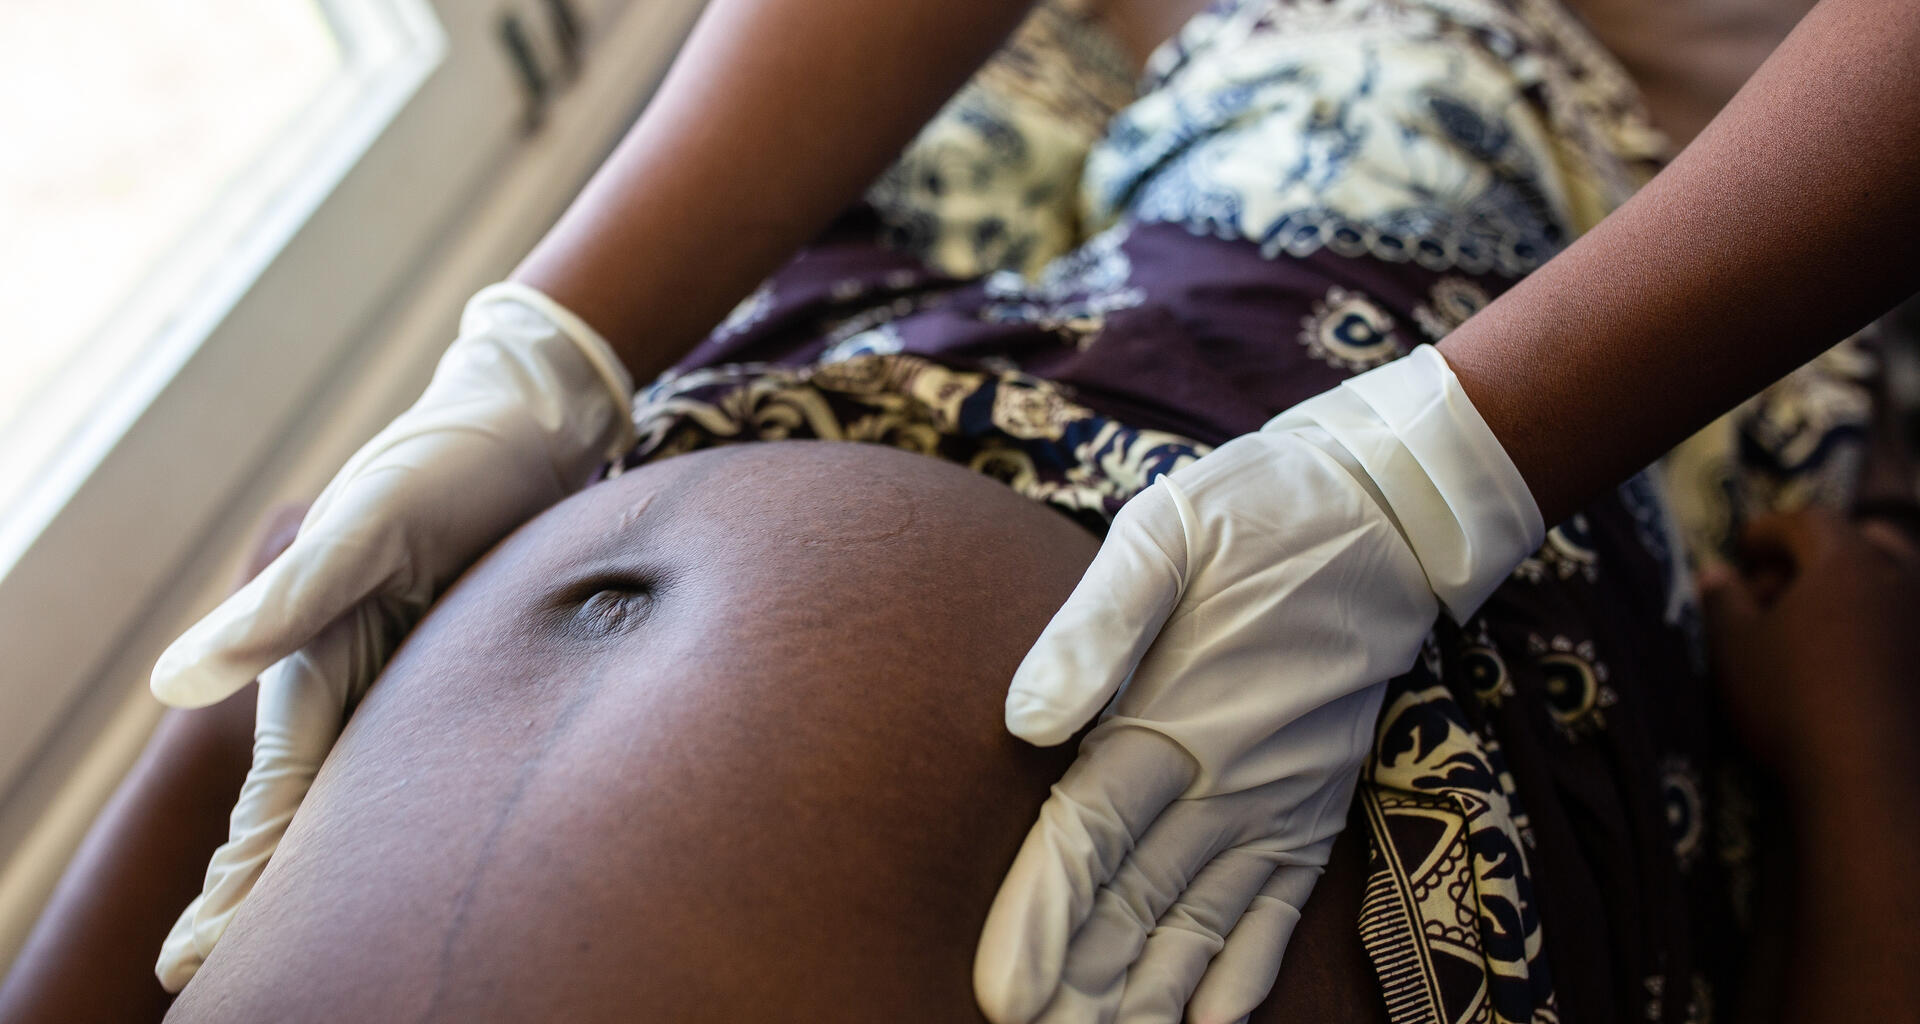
[
  {"x": 1247, "y": 609},
  {"x": 523, "y": 408}
]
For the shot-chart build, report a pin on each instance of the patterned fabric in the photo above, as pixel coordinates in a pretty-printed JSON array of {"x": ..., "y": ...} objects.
[
  {"x": 1458, "y": 135},
  {"x": 989, "y": 184},
  {"x": 1450, "y": 893},
  {"x": 1303, "y": 190},
  {"x": 1019, "y": 430},
  {"x": 1799, "y": 443}
]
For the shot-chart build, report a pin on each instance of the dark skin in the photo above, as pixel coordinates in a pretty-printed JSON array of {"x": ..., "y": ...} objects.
[
  {"x": 1817, "y": 650},
  {"x": 1818, "y": 632},
  {"x": 764, "y": 231},
  {"x": 91, "y": 956},
  {"x": 370, "y": 899},
  {"x": 1689, "y": 58},
  {"x": 1818, "y": 660},
  {"x": 1789, "y": 222},
  {"x": 721, "y": 738},
  {"x": 1792, "y": 221}
]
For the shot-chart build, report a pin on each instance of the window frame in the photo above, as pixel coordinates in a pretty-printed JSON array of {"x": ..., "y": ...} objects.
[{"x": 259, "y": 391}]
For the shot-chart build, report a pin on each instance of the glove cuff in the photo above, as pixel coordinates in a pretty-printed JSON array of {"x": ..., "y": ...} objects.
[
  {"x": 594, "y": 348},
  {"x": 1455, "y": 494}
]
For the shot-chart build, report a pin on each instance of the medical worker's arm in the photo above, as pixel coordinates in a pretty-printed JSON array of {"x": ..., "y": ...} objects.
[
  {"x": 1247, "y": 608},
  {"x": 776, "y": 115},
  {"x": 90, "y": 955},
  {"x": 1790, "y": 222}
]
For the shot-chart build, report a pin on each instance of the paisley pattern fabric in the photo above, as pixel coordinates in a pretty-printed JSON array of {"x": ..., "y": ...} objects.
[
  {"x": 989, "y": 184},
  {"x": 1302, "y": 190},
  {"x": 1450, "y": 892},
  {"x": 1457, "y": 135},
  {"x": 1019, "y": 430}
]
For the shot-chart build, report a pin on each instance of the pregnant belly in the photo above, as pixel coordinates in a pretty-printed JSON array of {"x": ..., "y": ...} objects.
[{"x": 719, "y": 739}]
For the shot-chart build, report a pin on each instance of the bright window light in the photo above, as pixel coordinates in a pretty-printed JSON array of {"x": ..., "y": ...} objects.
[{"x": 146, "y": 146}]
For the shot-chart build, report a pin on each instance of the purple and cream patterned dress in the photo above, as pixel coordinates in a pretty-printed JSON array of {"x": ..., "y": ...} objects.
[{"x": 1073, "y": 285}]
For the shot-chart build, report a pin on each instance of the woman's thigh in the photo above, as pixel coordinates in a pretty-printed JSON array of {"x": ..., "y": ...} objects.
[{"x": 719, "y": 739}]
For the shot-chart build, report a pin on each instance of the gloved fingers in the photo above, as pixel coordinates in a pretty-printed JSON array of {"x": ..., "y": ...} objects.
[
  {"x": 1241, "y": 976},
  {"x": 1122, "y": 780},
  {"x": 301, "y": 712},
  {"x": 1097, "y": 638},
  {"x": 180, "y": 953},
  {"x": 1190, "y": 840},
  {"x": 1073, "y": 1005},
  {"x": 1161, "y": 982},
  {"x": 231, "y": 874},
  {"x": 327, "y": 570}
]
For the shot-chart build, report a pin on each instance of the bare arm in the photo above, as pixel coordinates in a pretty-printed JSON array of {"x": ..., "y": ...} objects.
[
  {"x": 774, "y": 117},
  {"x": 1792, "y": 220},
  {"x": 90, "y": 956}
]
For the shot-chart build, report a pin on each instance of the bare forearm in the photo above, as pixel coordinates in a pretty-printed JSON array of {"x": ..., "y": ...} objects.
[
  {"x": 91, "y": 955},
  {"x": 776, "y": 115},
  {"x": 1792, "y": 220}
]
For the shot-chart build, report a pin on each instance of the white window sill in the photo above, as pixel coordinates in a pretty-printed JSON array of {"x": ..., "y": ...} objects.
[{"x": 61, "y": 782}]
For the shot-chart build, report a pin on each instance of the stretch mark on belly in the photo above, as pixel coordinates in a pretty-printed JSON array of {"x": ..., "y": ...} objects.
[
  {"x": 579, "y": 697},
  {"x": 636, "y": 510},
  {"x": 875, "y": 511}
]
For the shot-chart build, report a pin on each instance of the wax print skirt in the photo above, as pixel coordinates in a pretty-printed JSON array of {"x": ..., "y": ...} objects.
[{"x": 1074, "y": 282}]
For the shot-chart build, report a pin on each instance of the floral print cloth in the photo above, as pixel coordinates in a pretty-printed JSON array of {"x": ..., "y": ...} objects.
[{"x": 1074, "y": 289}]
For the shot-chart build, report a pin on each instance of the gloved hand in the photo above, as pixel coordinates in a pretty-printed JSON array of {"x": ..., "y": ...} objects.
[
  {"x": 523, "y": 408},
  {"x": 1247, "y": 609}
]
